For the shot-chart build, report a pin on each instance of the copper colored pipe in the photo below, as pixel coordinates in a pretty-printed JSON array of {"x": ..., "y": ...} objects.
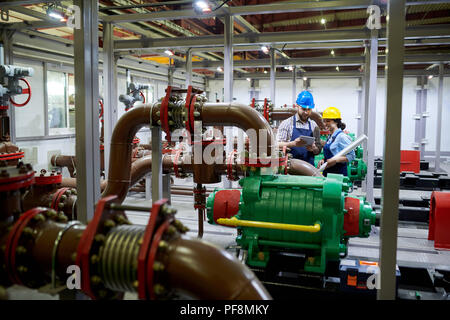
[
  {"x": 205, "y": 271},
  {"x": 119, "y": 177},
  {"x": 143, "y": 166},
  {"x": 284, "y": 113},
  {"x": 241, "y": 116},
  {"x": 69, "y": 162},
  {"x": 228, "y": 114},
  {"x": 72, "y": 183},
  {"x": 195, "y": 267},
  {"x": 317, "y": 118},
  {"x": 302, "y": 168}
]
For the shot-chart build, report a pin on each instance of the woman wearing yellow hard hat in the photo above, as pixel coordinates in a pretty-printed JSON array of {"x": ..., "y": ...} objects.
[{"x": 336, "y": 142}]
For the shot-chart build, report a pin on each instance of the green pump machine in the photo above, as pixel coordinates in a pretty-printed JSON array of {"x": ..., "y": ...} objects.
[{"x": 312, "y": 215}]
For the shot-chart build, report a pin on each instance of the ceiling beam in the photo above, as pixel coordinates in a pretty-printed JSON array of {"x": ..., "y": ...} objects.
[
  {"x": 322, "y": 61},
  {"x": 333, "y": 35},
  {"x": 269, "y": 8},
  {"x": 326, "y": 74}
]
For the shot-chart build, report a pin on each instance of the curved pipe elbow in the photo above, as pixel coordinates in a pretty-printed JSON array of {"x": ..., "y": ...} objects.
[
  {"x": 119, "y": 171},
  {"x": 317, "y": 118},
  {"x": 302, "y": 168},
  {"x": 243, "y": 117},
  {"x": 204, "y": 271}
]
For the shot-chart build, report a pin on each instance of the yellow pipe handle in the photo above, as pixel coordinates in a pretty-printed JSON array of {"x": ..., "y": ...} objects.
[{"x": 269, "y": 225}]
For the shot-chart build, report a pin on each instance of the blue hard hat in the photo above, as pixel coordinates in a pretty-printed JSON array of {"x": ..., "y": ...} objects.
[{"x": 305, "y": 100}]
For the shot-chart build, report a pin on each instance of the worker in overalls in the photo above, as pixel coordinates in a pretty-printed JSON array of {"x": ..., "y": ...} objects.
[
  {"x": 291, "y": 129},
  {"x": 336, "y": 142}
]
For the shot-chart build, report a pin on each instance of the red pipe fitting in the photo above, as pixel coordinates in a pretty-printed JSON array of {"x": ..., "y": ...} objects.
[{"x": 439, "y": 224}]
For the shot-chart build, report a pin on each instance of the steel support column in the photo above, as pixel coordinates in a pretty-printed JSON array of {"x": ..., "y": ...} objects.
[
  {"x": 372, "y": 114},
  {"x": 420, "y": 116},
  {"x": 8, "y": 59},
  {"x": 86, "y": 116},
  {"x": 391, "y": 154},
  {"x": 294, "y": 85},
  {"x": 273, "y": 70},
  {"x": 188, "y": 67},
  {"x": 424, "y": 116},
  {"x": 109, "y": 91},
  {"x": 157, "y": 172},
  {"x": 228, "y": 82},
  {"x": 170, "y": 73},
  {"x": 359, "y": 116},
  {"x": 437, "y": 163}
]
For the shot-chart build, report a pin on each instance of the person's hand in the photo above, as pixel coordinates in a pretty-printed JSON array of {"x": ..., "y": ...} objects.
[
  {"x": 312, "y": 147},
  {"x": 331, "y": 162},
  {"x": 298, "y": 143},
  {"x": 320, "y": 163}
]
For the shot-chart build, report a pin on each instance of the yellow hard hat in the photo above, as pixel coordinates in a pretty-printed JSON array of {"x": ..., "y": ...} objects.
[{"x": 331, "y": 113}]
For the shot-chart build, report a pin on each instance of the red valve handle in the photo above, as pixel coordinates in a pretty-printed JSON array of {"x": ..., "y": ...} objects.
[
  {"x": 101, "y": 109},
  {"x": 24, "y": 91},
  {"x": 142, "y": 95}
]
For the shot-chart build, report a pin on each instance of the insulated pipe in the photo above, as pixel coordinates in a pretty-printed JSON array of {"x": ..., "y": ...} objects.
[
  {"x": 203, "y": 271},
  {"x": 241, "y": 116},
  {"x": 302, "y": 168}
]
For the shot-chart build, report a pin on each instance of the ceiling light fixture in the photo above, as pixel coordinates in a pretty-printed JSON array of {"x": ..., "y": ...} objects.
[
  {"x": 430, "y": 77},
  {"x": 305, "y": 78},
  {"x": 323, "y": 21},
  {"x": 220, "y": 69},
  {"x": 248, "y": 79},
  {"x": 55, "y": 14},
  {"x": 337, "y": 68},
  {"x": 202, "y": 7},
  {"x": 332, "y": 52},
  {"x": 169, "y": 52},
  {"x": 265, "y": 49}
]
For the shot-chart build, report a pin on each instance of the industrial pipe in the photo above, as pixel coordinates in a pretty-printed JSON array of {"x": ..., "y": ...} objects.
[
  {"x": 302, "y": 168},
  {"x": 195, "y": 267},
  {"x": 317, "y": 118},
  {"x": 241, "y": 116},
  {"x": 129, "y": 124},
  {"x": 234, "y": 222},
  {"x": 203, "y": 271},
  {"x": 211, "y": 114},
  {"x": 284, "y": 113}
]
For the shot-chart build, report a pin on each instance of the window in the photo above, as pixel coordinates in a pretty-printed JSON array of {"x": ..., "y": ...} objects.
[
  {"x": 148, "y": 94},
  {"x": 61, "y": 103}
]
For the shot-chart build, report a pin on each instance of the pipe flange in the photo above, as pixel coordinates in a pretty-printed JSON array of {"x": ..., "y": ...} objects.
[
  {"x": 19, "y": 260},
  {"x": 15, "y": 178},
  {"x": 5, "y": 156},
  {"x": 91, "y": 245},
  {"x": 47, "y": 178},
  {"x": 161, "y": 228}
]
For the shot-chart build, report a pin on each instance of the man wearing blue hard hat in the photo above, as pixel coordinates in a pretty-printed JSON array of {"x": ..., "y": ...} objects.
[{"x": 299, "y": 133}]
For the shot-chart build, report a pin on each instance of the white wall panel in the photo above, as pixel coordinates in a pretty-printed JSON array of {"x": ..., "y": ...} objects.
[{"x": 30, "y": 119}]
